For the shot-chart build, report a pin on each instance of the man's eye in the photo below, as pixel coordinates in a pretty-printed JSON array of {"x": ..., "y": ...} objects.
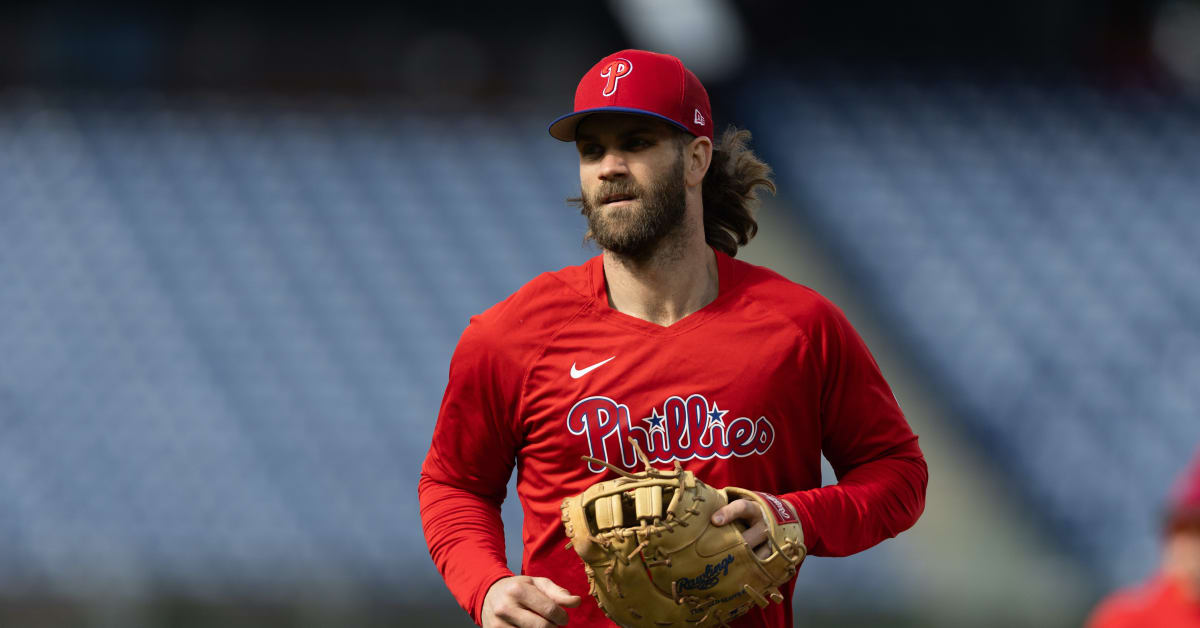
[
  {"x": 636, "y": 143},
  {"x": 589, "y": 150}
]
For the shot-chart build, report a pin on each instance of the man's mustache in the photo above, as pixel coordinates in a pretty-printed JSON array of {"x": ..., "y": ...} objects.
[{"x": 612, "y": 190}]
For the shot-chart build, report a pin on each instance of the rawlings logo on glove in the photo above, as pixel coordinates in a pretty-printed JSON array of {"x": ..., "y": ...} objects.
[
  {"x": 708, "y": 579},
  {"x": 653, "y": 557}
]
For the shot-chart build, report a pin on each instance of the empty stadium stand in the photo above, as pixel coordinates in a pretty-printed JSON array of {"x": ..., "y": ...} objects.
[{"x": 1034, "y": 243}]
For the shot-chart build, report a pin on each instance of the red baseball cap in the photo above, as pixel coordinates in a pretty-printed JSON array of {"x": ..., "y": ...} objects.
[
  {"x": 1185, "y": 498},
  {"x": 642, "y": 83}
]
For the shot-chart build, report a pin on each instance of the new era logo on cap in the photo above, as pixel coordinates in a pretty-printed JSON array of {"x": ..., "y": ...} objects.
[{"x": 660, "y": 87}]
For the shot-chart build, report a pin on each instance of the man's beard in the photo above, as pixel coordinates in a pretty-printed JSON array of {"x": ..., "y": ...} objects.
[{"x": 636, "y": 233}]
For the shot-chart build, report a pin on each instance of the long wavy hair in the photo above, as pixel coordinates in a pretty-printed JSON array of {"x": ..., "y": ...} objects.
[{"x": 730, "y": 192}]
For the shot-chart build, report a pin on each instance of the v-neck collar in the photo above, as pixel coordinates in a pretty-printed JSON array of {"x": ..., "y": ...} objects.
[{"x": 725, "y": 283}]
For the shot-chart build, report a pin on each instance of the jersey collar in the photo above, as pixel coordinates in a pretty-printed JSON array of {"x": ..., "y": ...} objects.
[{"x": 725, "y": 284}]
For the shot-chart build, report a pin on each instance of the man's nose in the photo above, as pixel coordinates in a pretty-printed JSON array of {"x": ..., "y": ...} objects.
[{"x": 613, "y": 166}]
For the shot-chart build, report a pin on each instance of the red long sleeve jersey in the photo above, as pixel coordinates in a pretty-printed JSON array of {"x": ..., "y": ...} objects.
[{"x": 748, "y": 391}]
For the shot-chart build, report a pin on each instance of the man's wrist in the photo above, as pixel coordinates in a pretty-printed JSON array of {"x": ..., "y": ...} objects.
[{"x": 488, "y": 582}]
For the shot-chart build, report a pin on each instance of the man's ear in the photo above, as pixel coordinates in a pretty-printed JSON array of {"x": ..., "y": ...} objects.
[{"x": 697, "y": 155}]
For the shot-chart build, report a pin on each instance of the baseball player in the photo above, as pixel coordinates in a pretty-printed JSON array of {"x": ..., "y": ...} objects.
[
  {"x": 1171, "y": 598},
  {"x": 664, "y": 339}
]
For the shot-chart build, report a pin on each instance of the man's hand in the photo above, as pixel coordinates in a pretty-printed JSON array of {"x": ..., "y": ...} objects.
[
  {"x": 526, "y": 602},
  {"x": 751, "y": 516}
]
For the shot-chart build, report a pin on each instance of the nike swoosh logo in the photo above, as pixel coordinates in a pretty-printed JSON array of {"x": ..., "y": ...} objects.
[{"x": 577, "y": 373}]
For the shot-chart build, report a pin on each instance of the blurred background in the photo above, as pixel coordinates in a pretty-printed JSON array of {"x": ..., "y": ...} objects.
[{"x": 238, "y": 242}]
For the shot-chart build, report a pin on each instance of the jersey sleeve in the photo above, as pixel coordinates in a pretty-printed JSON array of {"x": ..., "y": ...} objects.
[
  {"x": 464, "y": 477},
  {"x": 881, "y": 471}
]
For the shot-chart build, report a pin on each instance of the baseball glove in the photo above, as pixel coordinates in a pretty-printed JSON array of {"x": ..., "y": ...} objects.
[{"x": 653, "y": 557}]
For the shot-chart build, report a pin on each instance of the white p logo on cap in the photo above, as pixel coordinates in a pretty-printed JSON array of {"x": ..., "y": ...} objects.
[{"x": 616, "y": 70}]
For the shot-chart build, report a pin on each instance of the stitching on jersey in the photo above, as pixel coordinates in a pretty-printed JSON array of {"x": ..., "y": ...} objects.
[
  {"x": 826, "y": 304},
  {"x": 799, "y": 330},
  {"x": 537, "y": 356},
  {"x": 570, "y": 287}
]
